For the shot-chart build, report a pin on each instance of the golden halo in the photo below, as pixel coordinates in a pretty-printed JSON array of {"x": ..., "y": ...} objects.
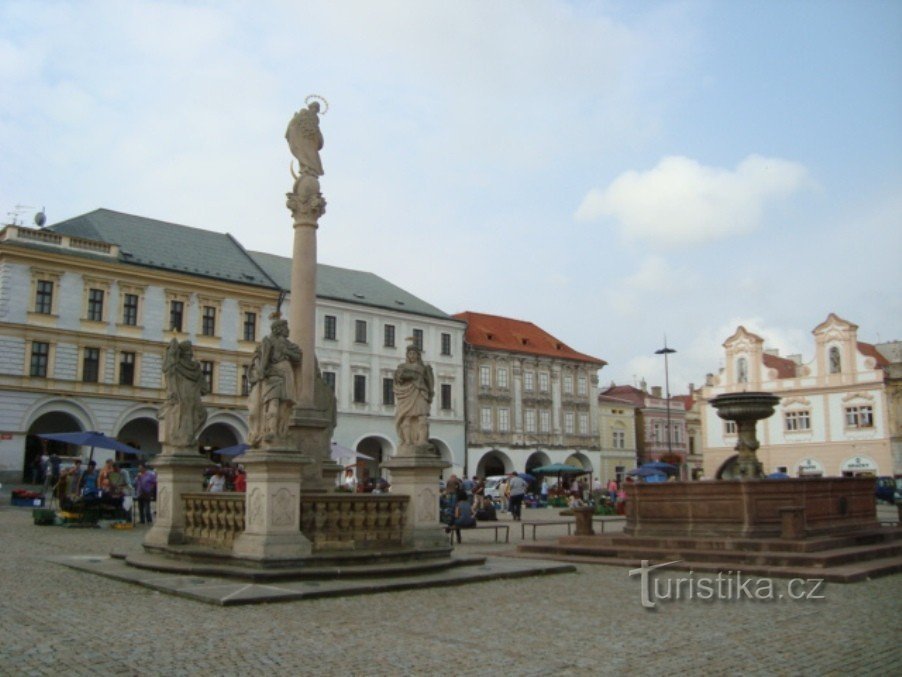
[{"x": 317, "y": 97}]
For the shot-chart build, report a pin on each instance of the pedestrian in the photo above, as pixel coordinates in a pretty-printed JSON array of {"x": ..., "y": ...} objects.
[
  {"x": 543, "y": 491},
  {"x": 612, "y": 491},
  {"x": 468, "y": 485},
  {"x": 146, "y": 489},
  {"x": 517, "y": 490},
  {"x": 217, "y": 482},
  {"x": 240, "y": 479},
  {"x": 87, "y": 486},
  {"x": 463, "y": 514}
]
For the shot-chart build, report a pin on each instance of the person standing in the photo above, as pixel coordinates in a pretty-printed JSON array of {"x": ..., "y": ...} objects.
[
  {"x": 612, "y": 491},
  {"x": 146, "y": 489},
  {"x": 517, "y": 487},
  {"x": 217, "y": 482}
]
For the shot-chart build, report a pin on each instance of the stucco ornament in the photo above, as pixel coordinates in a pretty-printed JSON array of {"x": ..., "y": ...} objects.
[
  {"x": 183, "y": 414},
  {"x": 305, "y": 140},
  {"x": 272, "y": 377},
  {"x": 414, "y": 386}
]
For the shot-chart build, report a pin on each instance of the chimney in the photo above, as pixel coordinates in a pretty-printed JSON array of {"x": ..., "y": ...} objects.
[{"x": 656, "y": 391}]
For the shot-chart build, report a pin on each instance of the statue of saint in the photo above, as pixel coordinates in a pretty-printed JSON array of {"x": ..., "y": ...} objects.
[
  {"x": 414, "y": 387},
  {"x": 271, "y": 376},
  {"x": 306, "y": 140},
  {"x": 183, "y": 414}
]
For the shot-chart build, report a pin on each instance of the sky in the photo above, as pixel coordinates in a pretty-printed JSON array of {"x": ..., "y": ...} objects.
[{"x": 614, "y": 172}]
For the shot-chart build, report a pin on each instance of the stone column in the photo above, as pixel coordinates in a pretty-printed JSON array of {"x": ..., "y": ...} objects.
[
  {"x": 418, "y": 477},
  {"x": 302, "y": 312},
  {"x": 179, "y": 470},
  {"x": 272, "y": 529}
]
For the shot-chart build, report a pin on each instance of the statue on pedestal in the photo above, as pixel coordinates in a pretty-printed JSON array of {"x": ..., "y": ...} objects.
[
  {"x": 183, "y": 414},
  {"x": 271, "y": 376},
  {"x": 305, "y": 140},
  {"x": 414, "y": 387}
]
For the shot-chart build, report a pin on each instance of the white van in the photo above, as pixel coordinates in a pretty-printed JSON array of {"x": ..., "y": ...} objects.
[{"x": 495, "y": 485}]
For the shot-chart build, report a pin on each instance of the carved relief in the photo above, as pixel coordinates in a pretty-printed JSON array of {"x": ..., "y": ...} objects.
[
  {"x": 255, "y": 508},
  {"x": 163, "y": 503},
  {"x": 858, "y": 396},
  {"x": 427, "y": 506},
  {"x": 803, "y": 401},
  {"x": 282, "y": 513}
]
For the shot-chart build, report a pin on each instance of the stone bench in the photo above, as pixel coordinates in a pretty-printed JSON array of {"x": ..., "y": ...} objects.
[
  {"x": 536, "y": 525},
  {"x": 497, "y": 526}
]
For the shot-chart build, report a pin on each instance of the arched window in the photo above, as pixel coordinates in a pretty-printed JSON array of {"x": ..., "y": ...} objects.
[
  {"x": 742, "y": 370},
  {"x": 835, "y": 361}
]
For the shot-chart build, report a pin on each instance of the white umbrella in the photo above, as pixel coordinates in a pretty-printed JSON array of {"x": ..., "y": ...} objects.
[{"x": 340, "y": 453}]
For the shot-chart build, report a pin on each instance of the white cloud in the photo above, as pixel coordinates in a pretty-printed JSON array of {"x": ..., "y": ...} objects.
[
  {"x": 683, "y": 202},
  {"x": 654, "y": 281}
]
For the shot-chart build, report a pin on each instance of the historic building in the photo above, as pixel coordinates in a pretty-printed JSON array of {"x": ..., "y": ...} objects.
[
  {"x": 617, "y": 434},
  {"x": 833, "y": 417},
  {"x": 654, "y": 440},
  {"x": 530, "y": 398},
  {"x": 692, "y": 406},
  {"x": 88, "y": 305}
]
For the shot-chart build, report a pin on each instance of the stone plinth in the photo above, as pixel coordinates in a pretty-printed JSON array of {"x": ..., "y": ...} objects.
[
  {"x": 272, "y": 507},
  {"x": 179, "y": 471},
  {"x": 749, "y": 508},
  {"x": 418, "y": 478},
  {"x": 583, "y": 518},
  {"x": 311, "y": 432}
]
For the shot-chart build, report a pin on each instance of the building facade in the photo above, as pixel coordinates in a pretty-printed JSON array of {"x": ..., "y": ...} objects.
[
  {"x": 530, "y": 398},
  {"x": 832, "y": 419},
  {"x": 617, "y": 434},
  {"x": 88, "y": 305}
]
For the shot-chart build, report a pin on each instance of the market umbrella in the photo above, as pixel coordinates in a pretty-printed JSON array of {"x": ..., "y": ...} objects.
[
  {"x": 92, "y": 438},
  {"x": 339, "y": 453},
  {"x": 235, "y": 450},
  {"x": 559, "y": 469},
  {"x": 526, "y": 477},
  {"x": 643, "y": 471},
  {"x": 659, "y": 466},
  {"x": 778, "y": 476}
]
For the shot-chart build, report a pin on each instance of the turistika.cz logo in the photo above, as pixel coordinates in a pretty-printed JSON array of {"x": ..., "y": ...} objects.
[{"x": 730, "y": 586}]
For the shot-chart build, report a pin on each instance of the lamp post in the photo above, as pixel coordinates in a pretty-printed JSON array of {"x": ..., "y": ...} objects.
[{"x": 665, "y": 351}]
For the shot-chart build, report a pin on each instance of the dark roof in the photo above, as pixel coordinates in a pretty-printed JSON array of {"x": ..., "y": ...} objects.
[
  {"x": 352, "y": 286},
  {"x": 167, "y": 246},
  {"x": 517, "y": 336}
]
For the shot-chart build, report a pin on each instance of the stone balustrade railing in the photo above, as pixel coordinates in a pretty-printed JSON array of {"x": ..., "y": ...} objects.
[{"x": 331, "y": 521}]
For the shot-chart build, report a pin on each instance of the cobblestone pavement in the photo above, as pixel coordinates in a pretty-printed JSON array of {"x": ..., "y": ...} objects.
[{"x": 53, "y": 618}]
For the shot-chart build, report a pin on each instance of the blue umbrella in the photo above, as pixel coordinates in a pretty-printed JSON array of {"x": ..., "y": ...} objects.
[
  {"x": 526, "y": 477},
  {"x": 778, "y": 476},
  {"x": 235, "y": 450},
  {"x": 92, "y": 438},
  {"x": 660, "y": 467},
  {"x": 642, "y": 471}
]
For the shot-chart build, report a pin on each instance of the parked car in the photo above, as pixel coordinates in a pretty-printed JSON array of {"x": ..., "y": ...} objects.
[
  {"x": 495, "y": 485},
  {"x": 887, "y": 489}
]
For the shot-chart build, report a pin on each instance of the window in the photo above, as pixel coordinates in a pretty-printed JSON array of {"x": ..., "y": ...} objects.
[
  {"x": 618, "y": 440},
  {"x": 860, "y": 417},
  {"x": 676, "y": 431},
  {"x": 176, "y": 314},
  {"x": 501, "y": 377},
  {"x": 485, "y": 419},
  {"x": 43, "y": 299},
  {"x": 130, "y": 310},
  {"x": 207, "y": 370},
  {"x": 568, "y": 422},
  {"x": 359, "y": 389},
  {"x": 249, "y": 332},
  {"x": 504, "y": 420},
  {"x": 245, "y": 383},
  {"x": 40, "y": 357},
  {"x": 418, "y": 338},
  {"x": 797, "y": 420},
  {"x": 568, "y": 384},
  {"x": 485, "y": 376},
  {"x": 330, "y": 328},
  {"x": 329, "y": 378},
  {"x": 389, "y": 336},
  {"x": 544, "y": 421},
  {"x": 446, "y": 344},
  {"x": 529, "y": 380},
  {"x": 582, "y": 386},
  {"x": 90, "y": 365},
  {"x": 360, "y": 331},
  {"x": 446, "y": 396},
  {"x": 729, "y": 427},
  {"x": 529, "y": 420},
  {"x": 543, "y": 381},
  {"x": 126, "y": 369},
  {"x": 95, "y": 305},
  {"x": 208, "y": 321},
  {"x": 657, "y": 433},
  {"x": 583, "y": 424},
  {"x": 388, "y": 391}
]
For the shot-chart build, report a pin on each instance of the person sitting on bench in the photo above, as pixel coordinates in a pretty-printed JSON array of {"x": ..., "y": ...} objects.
[
  {"x": 463, "y": 514},
  {"x": 487, "y": 512}
]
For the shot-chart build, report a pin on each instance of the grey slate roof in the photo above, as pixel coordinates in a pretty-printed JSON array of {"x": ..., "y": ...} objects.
[{"x": 169, "y": 246}]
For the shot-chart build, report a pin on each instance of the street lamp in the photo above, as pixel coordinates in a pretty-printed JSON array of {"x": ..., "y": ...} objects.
[{"x": 665, "y": 351}]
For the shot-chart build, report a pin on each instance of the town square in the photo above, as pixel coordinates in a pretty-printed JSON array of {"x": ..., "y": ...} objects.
[{"x": 389, "y": 338}]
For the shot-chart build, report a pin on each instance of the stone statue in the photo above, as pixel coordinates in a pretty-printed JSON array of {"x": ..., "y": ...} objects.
[
  {"x": 305, "y": 140},
  {"x": 183, "y": 414},
  {"x": 835, "y": 361},
  {"x": 414, "y": 386},
  {"x": 271, "y": 376}
]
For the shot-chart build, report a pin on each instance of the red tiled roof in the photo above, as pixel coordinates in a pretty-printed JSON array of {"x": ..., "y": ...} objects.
[
  {"x": 628, "y": 394},
  {"x": 502, "y": 333},
  {"x": 871, "y": 351},
  {"x": 785, "y": 368},
  {"x": 686, "y": 400}
]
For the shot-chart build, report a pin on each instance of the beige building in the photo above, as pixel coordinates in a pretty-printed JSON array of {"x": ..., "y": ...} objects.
[
  {"x": 617, "y": 433},
  {"x": 833, "y": 416}
]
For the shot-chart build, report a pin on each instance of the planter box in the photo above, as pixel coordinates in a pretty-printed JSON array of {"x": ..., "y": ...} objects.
[{"x": 28, "y": 502}]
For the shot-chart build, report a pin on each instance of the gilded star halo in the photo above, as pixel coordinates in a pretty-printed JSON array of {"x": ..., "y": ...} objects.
[{"x": 317, "y": 97}]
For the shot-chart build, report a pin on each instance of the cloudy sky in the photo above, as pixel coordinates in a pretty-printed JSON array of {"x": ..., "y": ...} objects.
[{"x": 611, "y": 171}]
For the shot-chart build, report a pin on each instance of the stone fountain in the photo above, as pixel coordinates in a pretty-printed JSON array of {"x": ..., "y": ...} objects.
[{"x": 746, "y": 409}]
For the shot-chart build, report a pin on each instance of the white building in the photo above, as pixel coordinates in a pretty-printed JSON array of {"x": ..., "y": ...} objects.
[
  {"x": 87, "y": 306},
  {"x": 832, "y": 419}
]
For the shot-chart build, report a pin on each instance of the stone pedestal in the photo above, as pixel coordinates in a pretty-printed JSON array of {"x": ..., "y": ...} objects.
[
  {"x": 311, "y": 431},
  {"x": 272, "y": 528},
  {"x": 584, "y": 521},
  {"x": 179, "y": 471},
  {"x": 418, "y": 477}
]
